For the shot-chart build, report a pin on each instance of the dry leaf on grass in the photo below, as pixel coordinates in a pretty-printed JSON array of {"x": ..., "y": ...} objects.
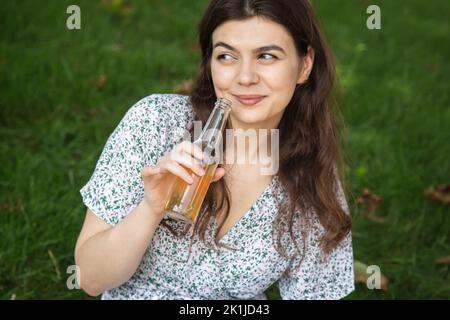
[
  {"x": 370, "y": 202},
  {"x": 184, "y": 87},
  {"x": 11, "y": 207},
  {"x": 195, "y": 46},
  {"x": 441, "y": 193},
  {"x": 101, "y": 81},
  {"x": 443, "y": 260},
  {"x": 92, "y": 113}
]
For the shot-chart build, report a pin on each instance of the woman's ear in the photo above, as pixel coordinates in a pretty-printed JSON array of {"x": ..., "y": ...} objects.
[{"x": 307, "y": 64}]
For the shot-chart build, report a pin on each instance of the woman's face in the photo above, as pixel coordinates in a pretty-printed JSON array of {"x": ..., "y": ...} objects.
[{"x": 239, "y": 68}]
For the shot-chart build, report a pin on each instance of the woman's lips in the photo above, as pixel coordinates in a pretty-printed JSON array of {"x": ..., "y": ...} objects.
[{"x": 249, "y": 100}]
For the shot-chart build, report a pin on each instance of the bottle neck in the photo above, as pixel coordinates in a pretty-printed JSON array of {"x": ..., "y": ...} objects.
[
  {"x": 215, "y": 123},
  {"x": 211, "y": 135}
]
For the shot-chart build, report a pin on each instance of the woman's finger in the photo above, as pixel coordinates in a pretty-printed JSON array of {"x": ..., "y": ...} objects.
[
  {"x": 192, "y": 149},
  {"x": 149, "y": 171},
  {"x": 190, "y": 162},
  {"x": 220, "y": 172},
  {"x": 178, "y": 170}
]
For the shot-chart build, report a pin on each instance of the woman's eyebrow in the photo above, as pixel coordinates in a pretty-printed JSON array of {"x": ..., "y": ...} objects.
[{"x": 258, "y": 50}]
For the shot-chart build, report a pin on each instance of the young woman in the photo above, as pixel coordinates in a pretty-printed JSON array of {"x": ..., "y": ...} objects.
[{"x": 292, "y": 228}]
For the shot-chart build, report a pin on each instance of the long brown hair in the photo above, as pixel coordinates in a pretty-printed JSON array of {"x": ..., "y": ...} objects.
[{"x": 310, "y": 157}]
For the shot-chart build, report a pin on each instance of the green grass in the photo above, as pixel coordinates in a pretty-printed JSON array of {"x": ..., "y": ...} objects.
[{"x": 54, "y": 123}]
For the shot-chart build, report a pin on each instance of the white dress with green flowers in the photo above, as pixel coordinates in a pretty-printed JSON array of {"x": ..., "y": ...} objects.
[{"x": 150, "y": 129}]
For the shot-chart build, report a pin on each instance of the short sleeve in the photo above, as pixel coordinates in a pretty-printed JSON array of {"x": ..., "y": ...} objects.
[
  {"x": 316, "y": 278},
  {"x": 116, "y": 187}
]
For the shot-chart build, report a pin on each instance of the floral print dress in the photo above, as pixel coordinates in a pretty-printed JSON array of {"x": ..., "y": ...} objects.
[{"x": 150, "y": 129}]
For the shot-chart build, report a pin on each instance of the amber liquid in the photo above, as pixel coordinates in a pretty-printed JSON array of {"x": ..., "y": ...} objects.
[{"x": 185, "y": 200}]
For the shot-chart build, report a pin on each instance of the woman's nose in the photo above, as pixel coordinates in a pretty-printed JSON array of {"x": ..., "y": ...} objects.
[{"x": 247, "y": 74}]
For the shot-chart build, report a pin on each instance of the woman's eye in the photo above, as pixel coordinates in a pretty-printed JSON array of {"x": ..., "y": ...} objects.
[
  {"x": 222, "y": 56},
  {"x": 227, "y": 57},
  {"x": 271, "y": 56}
]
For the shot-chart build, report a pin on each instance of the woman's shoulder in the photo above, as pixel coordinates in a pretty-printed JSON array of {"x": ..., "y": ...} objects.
[
  {"x": 165, "y": 106},
  {"x": 168, "y": 114},
  {"x": 164, "y": 118}
]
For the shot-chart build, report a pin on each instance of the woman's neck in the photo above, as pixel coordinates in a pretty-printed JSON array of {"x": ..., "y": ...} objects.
[{"x": 251, "y": 146}]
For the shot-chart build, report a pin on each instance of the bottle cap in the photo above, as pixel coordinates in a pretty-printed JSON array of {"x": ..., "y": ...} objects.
[{"x": 223, "y": 103}]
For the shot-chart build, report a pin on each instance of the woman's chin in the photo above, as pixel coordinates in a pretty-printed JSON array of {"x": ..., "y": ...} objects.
[{"x": 247, "y": 120}]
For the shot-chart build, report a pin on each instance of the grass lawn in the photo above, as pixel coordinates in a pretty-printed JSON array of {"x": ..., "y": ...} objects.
[{"x": 55, "y": 119}]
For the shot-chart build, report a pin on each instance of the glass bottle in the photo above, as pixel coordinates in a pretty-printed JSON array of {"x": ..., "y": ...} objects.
[{"x": 185, "y": 200}]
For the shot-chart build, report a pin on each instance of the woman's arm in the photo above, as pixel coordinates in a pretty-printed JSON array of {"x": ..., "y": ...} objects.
[{"x": 108, "y": 256}]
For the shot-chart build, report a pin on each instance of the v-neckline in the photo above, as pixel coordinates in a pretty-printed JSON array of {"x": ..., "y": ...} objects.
[{"x": 247, "y": 213}]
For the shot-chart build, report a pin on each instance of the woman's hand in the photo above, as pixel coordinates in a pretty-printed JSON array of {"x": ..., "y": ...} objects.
[{"x": 158, "y": 179}]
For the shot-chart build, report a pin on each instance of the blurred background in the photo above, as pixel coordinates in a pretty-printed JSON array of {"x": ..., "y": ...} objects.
[{"x": 62, "y": 92}]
